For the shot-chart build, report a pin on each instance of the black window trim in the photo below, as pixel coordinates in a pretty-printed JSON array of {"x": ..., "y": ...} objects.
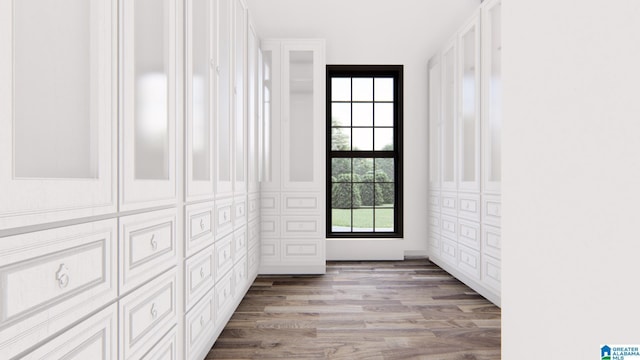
[{"x": 352, "y": 71}]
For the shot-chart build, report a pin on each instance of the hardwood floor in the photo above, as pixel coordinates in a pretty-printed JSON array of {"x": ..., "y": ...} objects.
[{"x": 363, "y": 310}]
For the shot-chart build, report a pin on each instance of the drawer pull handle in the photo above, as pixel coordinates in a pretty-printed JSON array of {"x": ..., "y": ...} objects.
[
  {"x": 225, "y": 216},
  {"x": 154, "y": 242},
  {"x": 201, "y": 224},
  {"x": 62, "y": 275},
  {"x": 201, "y": 321},
  {"x": 201, "y": 272},
  {"x": 154, "y": 311}
]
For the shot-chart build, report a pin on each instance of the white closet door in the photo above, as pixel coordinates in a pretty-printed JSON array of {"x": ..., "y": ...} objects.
[
  {"x": 468, "y": 68},
  {"x": 240, "y": 97},
  {"x": 449, "y": 118},
  {"x": 435, "y": 75},
  {"x": 252, "y": 111},
  {"x": 148, "y": 103},
  {"x": 57, "y": 110},
  {"x": 271, "y": 109},
  {"x": 224, "y": 124},
  {"x": 200, "y": 55},
  {"x": 303, "y": 133},
  {"x": 492, "y": 96}
]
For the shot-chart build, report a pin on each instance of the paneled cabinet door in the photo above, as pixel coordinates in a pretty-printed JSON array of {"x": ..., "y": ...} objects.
[
  {"x": 148, "y": 96},
  {"x": 491, "y": 96},
  {"x": 240, "y": 97},
  {"x": 468, "y": 92},
  {"x": 252, "y": 112},
  {"x": 271, "y": 109},
  {"x": 200, "y": 52},
  {"x": 303, "y": 133},
  {"x": 58, "y": 110},
  {"x": 449, "y": 118},
  {"x": 223, "y": 123},
  {"x": 435, "y": 73}
]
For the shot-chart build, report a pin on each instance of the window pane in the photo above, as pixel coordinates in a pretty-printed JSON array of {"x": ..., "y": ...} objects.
[
  {"x": 362, "y": 167},
  {"x": 362, "y": 139},
  {"x": 339, "y": 168},
  {"x": 341, "y": 89},
  {"x": 385, "y": 165},
  {"x": 384, "y": 139},
  {"x": 384, "y": 114},
  {"x": 384, "y": 193},
  {"x": 384, "y": 89},
  {"x": 340, "y": 114},
  {"x": 384, "y": 220},
  {"x": 340, "y": 139},
  {"x": 341, "y": 220},
  {"x": 363, "y": 114},
  {"x": 363, "y": 220},
  {"x": 362, "y": 89}
]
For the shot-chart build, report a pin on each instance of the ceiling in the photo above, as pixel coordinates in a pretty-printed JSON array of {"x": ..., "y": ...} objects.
[{"x": 384, "y": 23}]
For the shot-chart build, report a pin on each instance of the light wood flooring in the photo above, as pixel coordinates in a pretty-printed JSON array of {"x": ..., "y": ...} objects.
[{"x": 363, "y": 310}]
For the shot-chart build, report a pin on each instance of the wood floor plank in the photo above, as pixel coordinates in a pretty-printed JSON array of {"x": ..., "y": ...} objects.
[{"x": 363, "y": 310}]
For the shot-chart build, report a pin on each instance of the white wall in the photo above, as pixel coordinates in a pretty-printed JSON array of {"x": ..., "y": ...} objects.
[
  {"x": 405, "y": 32},
  {"x": 571, "y": 251}
]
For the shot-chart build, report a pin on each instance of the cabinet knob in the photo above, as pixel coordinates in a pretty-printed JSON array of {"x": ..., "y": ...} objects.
[
  {"x": 154, "y": 311},
  {"x": 201, "y": 272},
  {"x": 62, "y": 275},
  {"x": 201, "y": 320},
  {"x": 154, "y": 242},
  {"x": 201, "y": 224}
]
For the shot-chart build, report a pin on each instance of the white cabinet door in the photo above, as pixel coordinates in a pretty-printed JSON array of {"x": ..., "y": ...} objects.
[
  {"x": 468, "y": 95},
  {"x": 58, "y": 110},
  {"x": 435, "y": 74},
  {"x": 223, "y": 123},
  {"x": 240, "y": 97},
  {"x": 271, "y": 109},
  {"x": 199, "y": 91},
  {"x": 491, "y": 96},
  {"x": 449, "y": 118},
  {"x": 303, "y": 133},
  {"x": 148, "y": 98},
  {"x": 252, "y": 112}
]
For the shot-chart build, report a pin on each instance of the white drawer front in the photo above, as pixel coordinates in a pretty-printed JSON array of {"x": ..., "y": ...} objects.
[
  {"x": 301, "y": 226},
  {"x": 239, "y": 211},
  {"x": 492, "y": 241},
  {"x": 435, "y": 222},
  {"x": 304, "y": 251},
  {"x": 223, "y": 256},
  {"x": 94, "y": 338},
  {"x": 223, "y": 296},
  {"x": 148, "y": 247},
  {"x": 449, "y": 227},
  {"x": 254, "y": 233},
  {"x": 253, "y": 261},
  {"x": 469, "y": 234},
  {"x": 491, "y": 210},
  {"x": 270, "y": 227},
  {"x": 448, "y": 203},
  {"x": 224, "y": 217},
  {"x": 199, "y": 273},
  {"x": 254, "y": 206},
  {"x": 270, "y": 203},
  {"x": 449, "y": 251},
  {"x": 199, "y": 229},
  {"x": 469, "y": 207},
  {"x": 166, "y": 349},
  {"x": 199, "y": 327},
  {"x": 240, "y": 275},
  {"x": 301, "y": 203},
  {"x": 469, "y": 261},
  {"x": 52, "y": 278},
  {"x": 146, "y": 315},
  {"x": 434, "y": 243},
  {"x": 491, "y": 273},
  {"x": 434, "y": 201},
  {"x": 270, "y": 251},
  {"x": 240, "y": 244}
]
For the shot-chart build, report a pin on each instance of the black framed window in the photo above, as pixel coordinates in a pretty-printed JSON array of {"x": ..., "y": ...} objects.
[{"x": 364, "y": 151}]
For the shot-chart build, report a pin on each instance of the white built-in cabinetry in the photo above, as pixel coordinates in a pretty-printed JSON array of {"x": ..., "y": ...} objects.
[
  {"x": 465, "y": 122},
  {"x": 111, "y": 246},
  {"x": 293, "y": 174}
]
